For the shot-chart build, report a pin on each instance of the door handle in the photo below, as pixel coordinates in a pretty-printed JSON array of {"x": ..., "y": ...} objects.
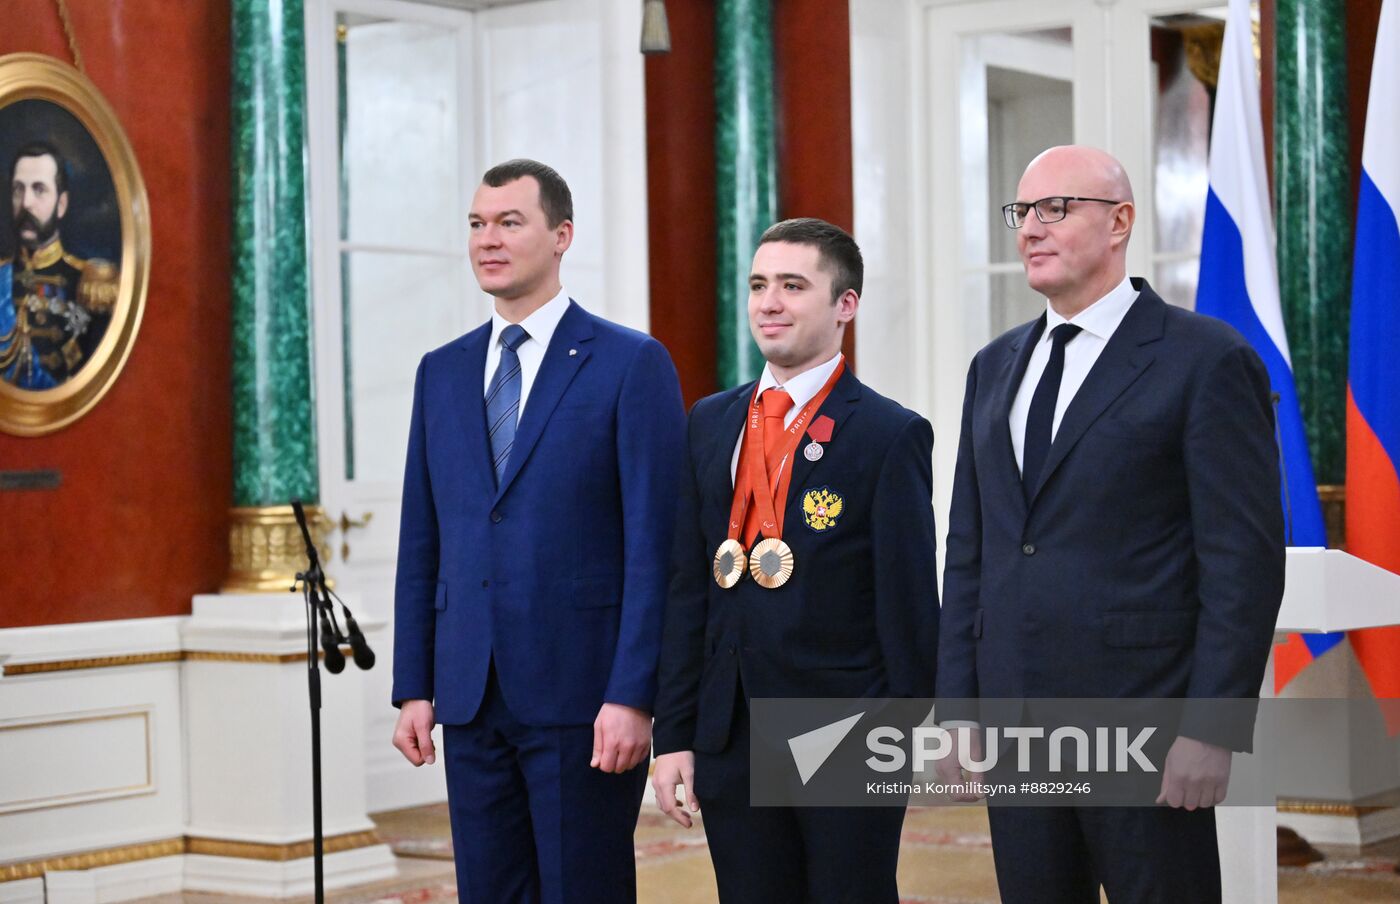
[{"x": 347, "y": 524}]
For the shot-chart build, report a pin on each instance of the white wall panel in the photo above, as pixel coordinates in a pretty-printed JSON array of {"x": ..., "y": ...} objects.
[{"x": 95, "y": 752}]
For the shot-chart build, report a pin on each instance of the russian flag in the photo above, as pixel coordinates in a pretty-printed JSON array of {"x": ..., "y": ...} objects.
[
  {"x": 1239, "y": 284},
  {"x": 1373, "y": 390}
]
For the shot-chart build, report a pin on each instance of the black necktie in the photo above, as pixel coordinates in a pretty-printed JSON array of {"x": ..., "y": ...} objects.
[{"x": 1042, "y": 414}]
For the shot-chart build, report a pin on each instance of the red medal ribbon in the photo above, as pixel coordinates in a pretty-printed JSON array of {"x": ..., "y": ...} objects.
[{"x": 751, "y": 478}]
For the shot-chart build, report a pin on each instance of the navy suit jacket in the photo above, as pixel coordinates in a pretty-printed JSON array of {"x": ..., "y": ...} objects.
[
  {"x": 559, "y": 574},
  {"x": 1149, "y": 562},
  {"x": 859, "y": 617}
]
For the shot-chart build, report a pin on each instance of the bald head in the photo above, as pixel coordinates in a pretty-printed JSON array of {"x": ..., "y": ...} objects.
[
  {"x": 1096, "y": 171},
  {"x": 1077, "y": 260}
]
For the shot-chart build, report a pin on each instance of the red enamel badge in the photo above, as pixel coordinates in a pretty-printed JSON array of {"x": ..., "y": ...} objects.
[{"x": 821, "y": 428}]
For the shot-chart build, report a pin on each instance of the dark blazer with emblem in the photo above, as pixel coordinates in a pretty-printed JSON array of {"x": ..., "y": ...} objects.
[
  {"x": 559, "y": 574},
  {"x": 859, "y": 617},
  {"x": 1149, "y": 562}
]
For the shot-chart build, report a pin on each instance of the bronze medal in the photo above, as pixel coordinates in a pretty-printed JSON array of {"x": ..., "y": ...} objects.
[
  {"x": 730, "y": 563},
  {"x": 770, "y": 563}
]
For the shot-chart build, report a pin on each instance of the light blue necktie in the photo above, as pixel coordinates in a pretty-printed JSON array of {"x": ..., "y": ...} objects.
[{"x": 503, "y": 399}]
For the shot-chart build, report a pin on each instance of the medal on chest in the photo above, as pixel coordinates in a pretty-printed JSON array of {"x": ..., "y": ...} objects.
[{"x": 760, "y": 496}]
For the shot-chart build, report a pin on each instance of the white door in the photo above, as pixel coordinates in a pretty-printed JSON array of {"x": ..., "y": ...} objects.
[
  {"x": 408, "y": 102},
  {"x": 389, "y": 114},
  {"x": 950, "y": 101}
]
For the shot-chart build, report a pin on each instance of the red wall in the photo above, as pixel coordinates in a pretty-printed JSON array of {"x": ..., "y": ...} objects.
[
  {"x": 680, "y": 105},
  {"x": 1363, "y": 18},
  {"x": 811, "y": 58},
  {"x": 139, "y": 523}
]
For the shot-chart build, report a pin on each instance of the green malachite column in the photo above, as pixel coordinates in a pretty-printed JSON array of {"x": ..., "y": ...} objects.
[
  {"x": 1312, "y": 188},
  {"x": 274, "y": 436},
  {"x": 745, "y": 172}
]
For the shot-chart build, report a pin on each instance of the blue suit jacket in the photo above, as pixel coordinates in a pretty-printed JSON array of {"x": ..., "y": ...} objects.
[
  {"x": 859, "y": 618},
  {"x": 1149, "y": 562},
  {"x": 559, "y": 574}
]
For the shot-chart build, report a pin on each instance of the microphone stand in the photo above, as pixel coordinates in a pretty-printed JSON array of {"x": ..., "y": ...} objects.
[{"x": 315, "y": 595}]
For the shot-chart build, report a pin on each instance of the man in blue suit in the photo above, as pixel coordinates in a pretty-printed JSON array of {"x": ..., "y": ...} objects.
[
  {"x": 1116, "y": 532},
  {"x": 840, "y": 594},
  {"x": 538, "y": 511}
]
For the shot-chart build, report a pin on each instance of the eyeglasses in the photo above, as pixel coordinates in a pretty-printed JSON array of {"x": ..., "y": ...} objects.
[{"x": 1047, "y": 210}]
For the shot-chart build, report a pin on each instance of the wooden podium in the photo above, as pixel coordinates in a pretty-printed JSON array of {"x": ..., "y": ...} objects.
[{"x": 1326, "y": 590}]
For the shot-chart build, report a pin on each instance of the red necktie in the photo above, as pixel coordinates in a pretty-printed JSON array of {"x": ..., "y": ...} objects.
[{"x": 776, "y": 404}]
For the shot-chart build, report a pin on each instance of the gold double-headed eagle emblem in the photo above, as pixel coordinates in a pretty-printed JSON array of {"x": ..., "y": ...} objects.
[{"x": 821, "y": 508}]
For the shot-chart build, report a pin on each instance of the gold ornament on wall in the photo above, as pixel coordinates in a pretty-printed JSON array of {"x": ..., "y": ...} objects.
[
  {"x": 266, "y": 549},
  {"x": 1203, "y": 45},
  {"x": 75, "y": 251}
]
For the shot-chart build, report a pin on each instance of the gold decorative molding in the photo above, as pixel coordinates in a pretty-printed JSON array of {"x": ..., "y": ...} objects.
[
  {"x": 264, "y": 658},
  {"x": 129, "y": 853},
  {"x": 1321, "y": 808},
  {"x": 96, "y": 662},
  {"x": 214, "y": 847},
  {"x": 1203, "y": 44},
  {"x": 266, "y": 549},
  {"x": 104, "y": 662},
  {"x": 250, "y": 850}
]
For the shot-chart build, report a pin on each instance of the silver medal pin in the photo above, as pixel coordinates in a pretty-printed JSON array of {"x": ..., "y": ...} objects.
[{"x": 813, "y": 451}]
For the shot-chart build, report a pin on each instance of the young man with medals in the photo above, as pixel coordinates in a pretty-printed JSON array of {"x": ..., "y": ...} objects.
[{"x": 803, "y": 567}]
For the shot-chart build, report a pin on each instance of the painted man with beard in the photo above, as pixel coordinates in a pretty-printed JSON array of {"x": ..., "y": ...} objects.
[{"x": 54, "y": 306}]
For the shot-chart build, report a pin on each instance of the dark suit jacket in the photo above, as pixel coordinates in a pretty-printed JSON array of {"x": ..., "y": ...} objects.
[
  {"x": 859, "y": 618},
  {"x": 1149, "y": 562},
  {"x": 560, "y": 573}
]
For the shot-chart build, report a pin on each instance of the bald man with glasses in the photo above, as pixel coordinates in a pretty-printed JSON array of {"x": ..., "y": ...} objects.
[{"x": 1116, "y": 531}]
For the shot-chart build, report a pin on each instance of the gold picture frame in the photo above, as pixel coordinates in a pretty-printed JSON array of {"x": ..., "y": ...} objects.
[{"x": 90, "y": 311}]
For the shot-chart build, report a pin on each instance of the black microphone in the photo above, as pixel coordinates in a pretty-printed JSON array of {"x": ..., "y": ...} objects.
[
  {"x": 364, "y": 656},
  {"x": 1283, "y": 472},
  {"x": 330, "y": 644}
]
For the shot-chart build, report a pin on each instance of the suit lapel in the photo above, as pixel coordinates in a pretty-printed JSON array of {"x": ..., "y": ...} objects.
[
  {"x": 469, "y": 410},
  {"x": 838, "y": 406},
  {"x": 562, "y": 359},
  {"x": 731, "y": 426},
  {"x": 1122, "y": 361},
  {"x": 1014, "y": 371}
]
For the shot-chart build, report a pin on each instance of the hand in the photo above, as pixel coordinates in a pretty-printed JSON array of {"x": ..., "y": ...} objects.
[
  {"x": 413, "y": 735},
  {"x": 674, "y": 769},
  {"x": 1196, "y": 774},
  {"x": 949, "y": 767},
  {"x": 621, "y": 738}
]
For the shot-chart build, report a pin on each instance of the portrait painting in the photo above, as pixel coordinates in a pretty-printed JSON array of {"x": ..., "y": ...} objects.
[{"x": 74, "y": 245}]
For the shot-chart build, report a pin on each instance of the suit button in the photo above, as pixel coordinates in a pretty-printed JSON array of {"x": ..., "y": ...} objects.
[
  {"x": 732, "y": 649},
  {"x": 1028, "y": 549},
  {"x": 496, "y": 517},
  {"x": 485, "y": 583}
]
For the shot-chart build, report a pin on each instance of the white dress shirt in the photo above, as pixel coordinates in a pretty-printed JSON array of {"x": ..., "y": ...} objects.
[
  {"x": 541, "y": 326},
  {"x": 802, "y": 388},
  {"x": 1098, "y": 321}
]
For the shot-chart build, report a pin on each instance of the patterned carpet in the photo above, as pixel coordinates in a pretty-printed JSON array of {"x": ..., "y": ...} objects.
[{"x": 945, "y": 858}]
